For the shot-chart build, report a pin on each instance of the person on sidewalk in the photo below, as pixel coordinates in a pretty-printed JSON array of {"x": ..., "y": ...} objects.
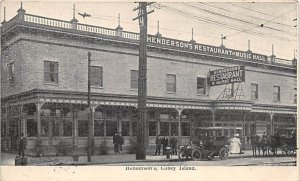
[
  {"x": 116, "y": 142},
  {"x": 157, "y": 145},
  {"x": 121, "y": 142},
  {"x": 22, "y": 145},
  {"x": 165, "y": 143},
  {"x": 173, "y": 143},
  {"x": 235, "y": 145}
]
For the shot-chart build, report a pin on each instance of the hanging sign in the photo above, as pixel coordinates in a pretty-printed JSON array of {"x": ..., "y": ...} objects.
[{"x": 226, "y": 75}]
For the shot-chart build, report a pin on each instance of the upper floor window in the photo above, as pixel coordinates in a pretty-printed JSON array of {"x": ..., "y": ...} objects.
[
  {"x": 254, "y": 91},
  {"x": 96, "y": 76},
  {"x": 171, "y": 83},
  {"x": 276, "y": 95},
  {"x": 50, "y": 72},
  {"x": 11, "y": 73},
  {"x": 134, "y": 79},
  {"x": 201, "y": 85}
]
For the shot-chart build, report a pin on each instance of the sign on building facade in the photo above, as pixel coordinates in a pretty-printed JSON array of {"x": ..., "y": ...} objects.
[{"x": 227, "y": 75}]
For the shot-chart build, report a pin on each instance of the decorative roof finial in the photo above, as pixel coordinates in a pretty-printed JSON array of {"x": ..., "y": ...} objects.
[
  {"x": 272, "y": 49},
  {"x": 4, "y": 14},
  {"x": 294, "y": 54},
  {"x": 192, "y": 40},
  {"x": 73, "y": 11},
  {"x": 119, "y": 28},
  {"x": 248, "y": 45},
  {"x": 21, "y": 10},
  {"x": 158, "y": 34}
]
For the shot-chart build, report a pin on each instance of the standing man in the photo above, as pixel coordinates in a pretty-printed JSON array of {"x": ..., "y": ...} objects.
[
  {"x": 164, "y": 142},
  {"x": 22, "y": 145},
  {"x": 121, "y": 142},
  {"x": 173, "y": 143},
  {"x": 158, "y": 145},
  {"x": 116, "y": 142}
]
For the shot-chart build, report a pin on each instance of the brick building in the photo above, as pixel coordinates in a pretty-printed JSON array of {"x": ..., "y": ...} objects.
[{"x": 44, "y": 86}]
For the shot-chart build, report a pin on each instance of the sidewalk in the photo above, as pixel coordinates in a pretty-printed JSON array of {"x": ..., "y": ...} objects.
[{"x": 9, "y": 159}]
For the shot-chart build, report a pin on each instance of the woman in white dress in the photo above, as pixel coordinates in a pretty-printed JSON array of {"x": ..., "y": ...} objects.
[{"x": 235, "y": 145}]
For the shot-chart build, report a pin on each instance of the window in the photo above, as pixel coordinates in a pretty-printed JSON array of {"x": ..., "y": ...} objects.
[
  {"x": 82, "y": 128},
  {"x": 185, "y": 128},
  {"x": 201, "y": 85},
  {"x": 276, "y": 93},
  {"x": 134, "y": 79},
  {"x": 55, "y": 127},
  {"x": 171, "y": 83},
  {"x": 50, "y": 72},
  {"x": 96, "y": 76},
  {"x": 164, "y": 128},
  {"x": 125, "y": 128},
  {"x": 295, "y": 95},
  {"x": 254, "y": 91},
  {"x": 152, "y": 128},
  {"x": 67, "y": 127},
  {"x": 11, "y": 73},
  {"x": 174, "y": 128},
  {"x": 45, "y": 128},
  {"x": 31, "y": 128},
  {"x": 111, "y": 127},
  {"x": 99, "y": 128}
]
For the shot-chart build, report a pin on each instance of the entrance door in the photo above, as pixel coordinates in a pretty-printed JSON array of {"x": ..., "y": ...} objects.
[{"x": 14, "y": 130}]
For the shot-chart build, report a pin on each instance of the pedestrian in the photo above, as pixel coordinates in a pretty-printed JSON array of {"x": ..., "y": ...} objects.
[
  {"x": 22, "y": 145},
  {"x": 157, "y": 145},
  {"x": 235, "y": 145},
  {"x": 121, "y": 142},
  {"x": 116, "y": 142},
  {"x": 165, "y": 143},
  {"x": 173, "y": 143}
]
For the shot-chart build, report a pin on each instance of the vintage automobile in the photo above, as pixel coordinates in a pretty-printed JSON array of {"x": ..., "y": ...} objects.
[{"x": 210, "y": 148}]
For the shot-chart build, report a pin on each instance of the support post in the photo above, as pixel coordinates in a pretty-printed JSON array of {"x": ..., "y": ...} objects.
[
  {"x": 271, "y": 124},
  {"x": 179, "y": 126},
  {"x": 89, "y": 150},
  {"x": 38, "y": 120}
]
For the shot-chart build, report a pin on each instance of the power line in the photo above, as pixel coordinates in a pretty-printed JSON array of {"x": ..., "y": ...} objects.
[
  {"x": 248, "y": 16},
  {"x": 236, "y": 19},
  {"x": 199, "y": 18}
]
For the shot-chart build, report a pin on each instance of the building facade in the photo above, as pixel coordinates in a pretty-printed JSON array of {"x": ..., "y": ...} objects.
[{"x": 44, "y": 75}]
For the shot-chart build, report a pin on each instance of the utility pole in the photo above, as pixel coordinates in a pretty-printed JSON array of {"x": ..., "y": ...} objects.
[
  {"x": 142, "y": 131},
  {"x": 90, "y": 133}
]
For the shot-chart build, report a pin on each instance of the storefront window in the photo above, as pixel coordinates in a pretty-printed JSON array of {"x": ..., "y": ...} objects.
[
  {"x": 125, "y": 128},
  {"x": 164, "y": 128},
  {"x": 45, "y": 128},
  {"x": 31, "y": 128},
  {"x": 55, "y": 127},
  {"x": 67, "y": 127},
  {"x": 152, "y": 128},
  {"x": 99, "y": 128},
  {"x": 186, "y": 128},
  {"x": 174, "y": 128},
  {"x": 111, "y": 127},
  {"x": 82, "y": 128}
]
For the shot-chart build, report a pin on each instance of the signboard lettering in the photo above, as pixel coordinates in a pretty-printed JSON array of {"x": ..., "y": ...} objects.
[
  {"x": 204, "y": 49},
  {"x": 227, "y": 75}
]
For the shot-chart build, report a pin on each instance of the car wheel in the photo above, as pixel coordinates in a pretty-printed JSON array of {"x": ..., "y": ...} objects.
[
  {"x": 196, "y": 154},
  {"x": 223, "y": 154}
]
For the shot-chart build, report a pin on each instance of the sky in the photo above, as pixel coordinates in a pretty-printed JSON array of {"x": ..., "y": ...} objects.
[{"x": 264, "y": 24}]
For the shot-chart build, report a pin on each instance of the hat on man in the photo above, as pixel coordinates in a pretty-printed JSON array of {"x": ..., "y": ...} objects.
[{"x": 236, "y": 135}]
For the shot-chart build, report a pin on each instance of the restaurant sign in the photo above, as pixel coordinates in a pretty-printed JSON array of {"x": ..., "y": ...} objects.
[
  {"x": 227, "y": 75},
  {"x": 204, "y": 49}
]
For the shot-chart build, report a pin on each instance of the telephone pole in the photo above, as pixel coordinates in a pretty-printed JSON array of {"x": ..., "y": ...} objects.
[
  {"x": 90, "y": 133},
  {"x": 142, "y": 126}
]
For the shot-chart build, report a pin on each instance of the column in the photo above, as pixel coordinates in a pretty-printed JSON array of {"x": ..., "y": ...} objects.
[
  {"x": 119, "y": 120},
  {"x": 213, "y": 121},
  {"x": 157, "y": 116},
  {"x": 75, "y": 127},
  {"x": 93, "y": 108},
  {"x": 23, "y": 121},
  {"x": 38, "y": 120},
  {"x": 271, "y": 124},
  {"x": 179, "y": 126},
  {"x": 7, "y": 128}
]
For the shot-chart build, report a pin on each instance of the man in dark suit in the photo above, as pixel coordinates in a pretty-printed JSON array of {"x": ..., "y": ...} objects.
[
  {"x": 157, "y": 145},
  {"x": 164, "y": 142},
  {"x": 22, "y": 145},
  {"x": 173, "y": 143}
]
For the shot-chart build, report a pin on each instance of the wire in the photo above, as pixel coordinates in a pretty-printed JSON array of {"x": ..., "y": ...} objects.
[{"x": 233, "y": 18}]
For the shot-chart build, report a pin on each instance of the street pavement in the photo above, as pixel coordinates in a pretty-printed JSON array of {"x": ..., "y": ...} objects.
[{"x": 129, "y": 159}]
